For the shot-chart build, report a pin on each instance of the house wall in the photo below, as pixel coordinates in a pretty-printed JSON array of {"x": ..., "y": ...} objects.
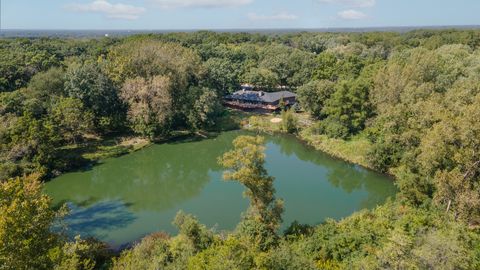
[{"x": 291, "y": 100}]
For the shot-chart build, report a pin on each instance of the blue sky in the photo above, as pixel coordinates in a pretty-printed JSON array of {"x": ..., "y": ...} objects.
[{"x": 227, "y": 14}]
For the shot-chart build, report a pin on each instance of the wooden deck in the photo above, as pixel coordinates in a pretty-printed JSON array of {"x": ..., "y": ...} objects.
[{"x": 249, "y": 106}]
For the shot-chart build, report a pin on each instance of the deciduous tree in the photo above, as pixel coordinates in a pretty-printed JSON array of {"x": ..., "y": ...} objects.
[
  {"x": 25, "y": 225},
  {"x": 149, "y": 102},
  {"x": 245, "y": 164}
]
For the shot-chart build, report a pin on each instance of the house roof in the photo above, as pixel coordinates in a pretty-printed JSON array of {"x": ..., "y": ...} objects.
[{"x": 260, "y": 96}]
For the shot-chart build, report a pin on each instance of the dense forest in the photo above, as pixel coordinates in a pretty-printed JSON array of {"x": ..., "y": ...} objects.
[{"x": 414, "y": 96}]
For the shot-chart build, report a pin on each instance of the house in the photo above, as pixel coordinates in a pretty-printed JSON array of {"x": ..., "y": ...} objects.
[{"x": 253, "y": 100}]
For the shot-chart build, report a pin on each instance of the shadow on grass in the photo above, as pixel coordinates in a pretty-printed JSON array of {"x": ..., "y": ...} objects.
[{"x": 83, "y": 156}]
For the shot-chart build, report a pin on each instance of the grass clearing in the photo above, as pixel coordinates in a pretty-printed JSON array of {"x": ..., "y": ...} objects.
[
  {"x": 354, "y": 150},
  {"x": 95, "y": 149}
]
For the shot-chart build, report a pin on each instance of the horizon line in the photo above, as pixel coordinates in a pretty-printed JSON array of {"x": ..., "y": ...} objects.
[{"x": 237, "y": 29}]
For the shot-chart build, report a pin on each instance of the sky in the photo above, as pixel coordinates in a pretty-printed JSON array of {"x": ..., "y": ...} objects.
[{"x": 234, "y": 14}]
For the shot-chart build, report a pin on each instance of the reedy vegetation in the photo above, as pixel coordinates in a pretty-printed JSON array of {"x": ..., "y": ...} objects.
[{"x": 415, "y": 96}]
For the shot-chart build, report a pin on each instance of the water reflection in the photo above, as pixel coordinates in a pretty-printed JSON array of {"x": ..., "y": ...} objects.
[
  {"x": 98, "y": 219},
  {"x": 129, "y": 196},
  {"x": 348, "y": 177},
  {"x": 157, "y": 178}
]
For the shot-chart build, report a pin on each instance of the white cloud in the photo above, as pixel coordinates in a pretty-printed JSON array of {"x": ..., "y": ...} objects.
[
  {"x": 351, "y": 14},
  {"x": 281, "y": 16},
  {"x": 113, "y": 11},
  {"x": 351, "y": 3},
  {"x": 200, "y": 3}
]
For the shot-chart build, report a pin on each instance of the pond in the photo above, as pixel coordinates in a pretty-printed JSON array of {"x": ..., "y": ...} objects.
[{"x": 125, "y": 198}]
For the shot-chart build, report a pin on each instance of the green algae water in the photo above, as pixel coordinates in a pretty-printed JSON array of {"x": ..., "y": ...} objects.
[{"x": 126, "y": 198}]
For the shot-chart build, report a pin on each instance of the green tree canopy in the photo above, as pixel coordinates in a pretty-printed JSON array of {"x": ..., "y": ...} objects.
[
  {"x": 314, "y": 95},
  {"x": 87, "y": 83},
  {"x": 245, "y": 164},
  {"x": 25, "y": 225}
]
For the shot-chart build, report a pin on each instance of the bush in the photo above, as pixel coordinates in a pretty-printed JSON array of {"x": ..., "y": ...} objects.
[
  {"x": 296, "y": 229},
  {"x": 229, "y": 254},
  {"x": 81, "y": 255},
  {"x": 286, "y": 257},
  {"x": 289, "y": 121},
  {"x": 153, "y": 252},
  {"x": 333, "y": 129},
  {"x": 197, "y": 233},
  {"x": 385, "y": 155},
  {"x": 26, "y": 220},
  {"x": 258, "y": 234}
]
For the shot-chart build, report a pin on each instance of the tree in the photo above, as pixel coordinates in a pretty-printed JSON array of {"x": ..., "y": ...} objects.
[
  {"x": 314, "y": 95},
  {"x": 159, "y": 251},
  {"x": 425, "y": 132},
  {"x": 245, "y": 164},
  {"x": 12, "y": 103},
  {"x": 291, "y": 66},
  {"x": 232, "y": 253},
  {"x": 44, "y": 89},
  {"x": 261, "y": 78},
  {"x": 81, "y": 255},
  {"x": 348, "y": 108},
  {"x": 25, "y": 225},
  {"x": 148, "y": 59},
  {"x": 451, "y": 154},
  {"x": 20, "y": 60},
  {"x": 197, "y": 234},
  {"x": 149, "y": 104},
  {"x": 30, "y": 142},
  {"x": 302, "y": 65},
  {"x": 327, "y": 64},
  {"x": 98, "y": 94},
  {"x": 276, "y": 59},
  {"x": 205, "y": 107},
  {"x": 289, "y": 121},
  {"x": 47, "y": 85},
  {"x": 70, "y": 119},
  {"x": 153, "y": 252},
  {"x": 223, "y": 74}
]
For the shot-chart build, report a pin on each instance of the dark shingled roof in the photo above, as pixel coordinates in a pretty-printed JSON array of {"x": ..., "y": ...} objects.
[{"x": 260, "y": 96}]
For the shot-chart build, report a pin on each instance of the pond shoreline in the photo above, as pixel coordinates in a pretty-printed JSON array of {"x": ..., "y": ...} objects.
[
  {"x": 320, "y": 143},
  {"x": 129, "y": 197},
  {"x": 241, "y": 121},
  {"x": 93, "y": 151},
  {"x": 310, "y": 144}
]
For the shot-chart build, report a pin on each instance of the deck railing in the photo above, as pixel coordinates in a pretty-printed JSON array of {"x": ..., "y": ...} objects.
[{"x": 246, "y": 105}]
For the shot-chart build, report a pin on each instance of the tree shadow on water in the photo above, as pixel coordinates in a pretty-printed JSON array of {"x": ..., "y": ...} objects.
[{"x": 98, "y": 219}]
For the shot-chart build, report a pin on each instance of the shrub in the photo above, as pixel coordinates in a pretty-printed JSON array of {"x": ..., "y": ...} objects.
[
  {"x": 289, "y": 121},
  {"x": 333, "y": 128}
]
